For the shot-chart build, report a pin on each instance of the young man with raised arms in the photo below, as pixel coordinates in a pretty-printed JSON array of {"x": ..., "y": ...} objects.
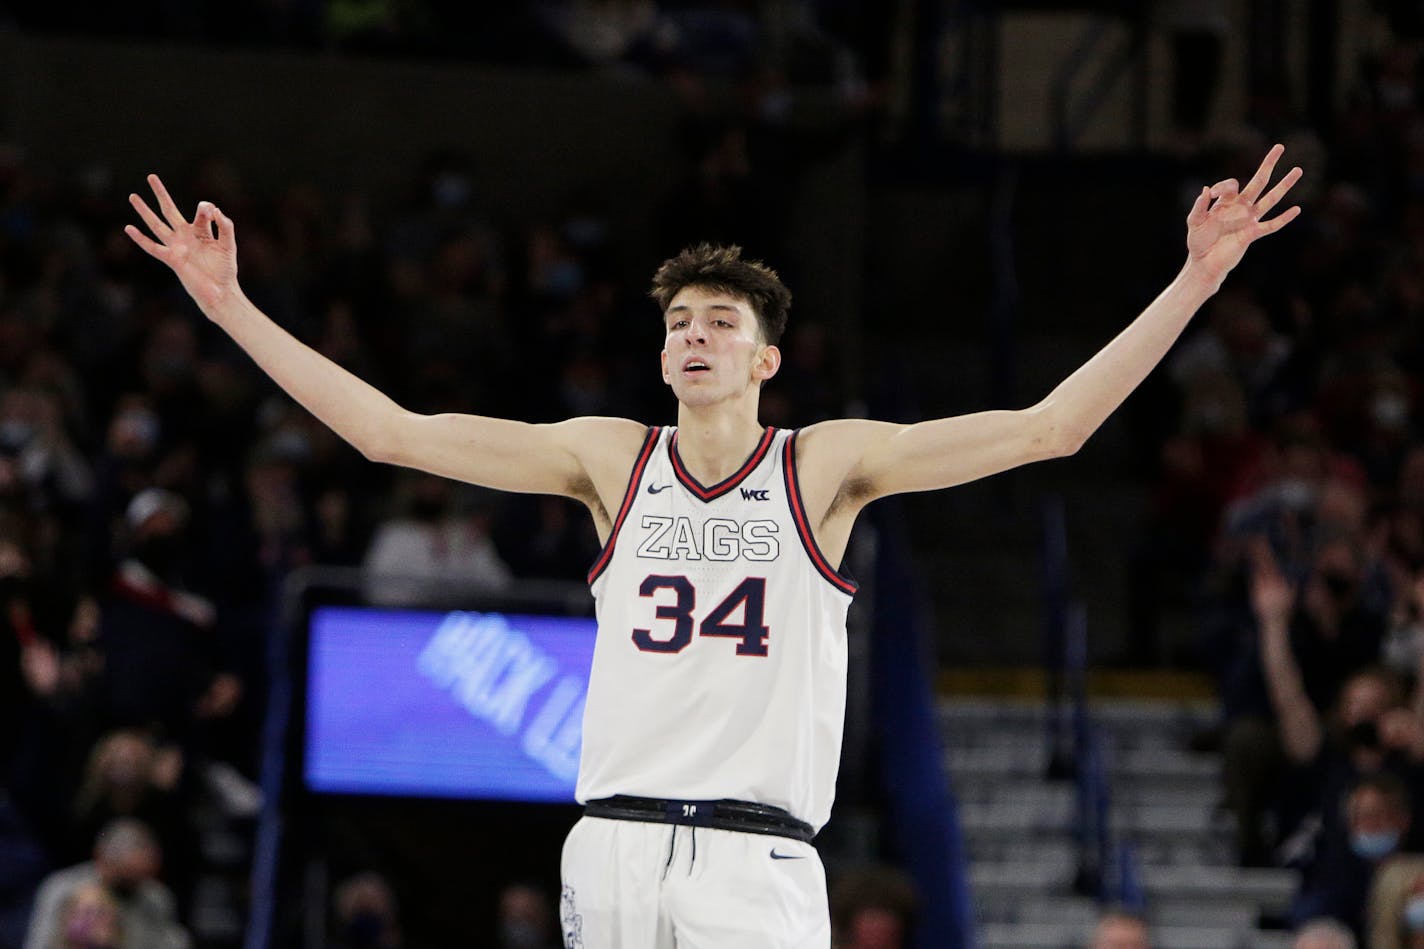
[{"x": 713, "y": 721}]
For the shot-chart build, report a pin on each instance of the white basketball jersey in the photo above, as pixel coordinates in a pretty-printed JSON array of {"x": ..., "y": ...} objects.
[{"x": 720, "y": 665}]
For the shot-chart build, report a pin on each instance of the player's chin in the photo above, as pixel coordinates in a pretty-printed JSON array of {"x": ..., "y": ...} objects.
[
  {"x": 695, "y": 399},
  {"x": 694, "y": 394}
]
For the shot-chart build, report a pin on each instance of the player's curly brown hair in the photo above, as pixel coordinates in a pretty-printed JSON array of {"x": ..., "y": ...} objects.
[{"x": 721, "y": 268}]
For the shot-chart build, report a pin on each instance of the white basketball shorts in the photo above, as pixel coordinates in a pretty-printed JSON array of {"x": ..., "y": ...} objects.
[{"x": 641, "y": 885}]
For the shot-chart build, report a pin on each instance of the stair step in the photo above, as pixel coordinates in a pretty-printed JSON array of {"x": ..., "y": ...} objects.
[
  {"x": 1022, "y": 829},
  {"x": 1072, "y": 936},
  {"x": 1032, "y": 760},
  {"x": 1084, "y": 911},
  {"x": 1147, "y": 820},
  {"x": 1058, "y": 794},
  {"x": 1189, "y": 851},
  {"x": 1271, "y": 887}
]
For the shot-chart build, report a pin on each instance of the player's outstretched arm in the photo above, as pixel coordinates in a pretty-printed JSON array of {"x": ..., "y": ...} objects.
[
  {"x": 878, "y": 459},
  {"x": 508, "y": 455}
]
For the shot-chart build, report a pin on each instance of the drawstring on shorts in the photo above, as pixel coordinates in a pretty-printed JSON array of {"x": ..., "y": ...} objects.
[{"x": 672, "y": 848}]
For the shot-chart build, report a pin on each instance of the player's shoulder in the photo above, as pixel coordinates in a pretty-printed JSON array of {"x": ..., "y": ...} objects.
[
  {"x": 830, "y": 458},
  {"x": 604, "y": 437},
  {"x": 841, "y": 438}
]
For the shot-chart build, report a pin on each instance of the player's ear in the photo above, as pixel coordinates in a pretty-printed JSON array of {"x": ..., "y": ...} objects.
[
  {"x": 768, "y": 361},
  {"x": 667, "y": 379}
]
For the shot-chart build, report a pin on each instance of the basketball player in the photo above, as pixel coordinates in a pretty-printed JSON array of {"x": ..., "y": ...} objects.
[{"x": 713, "y": 722}]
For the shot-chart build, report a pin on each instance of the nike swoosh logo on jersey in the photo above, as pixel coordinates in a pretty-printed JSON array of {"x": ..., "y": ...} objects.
[
  {"x": 653, "y": 490},
  {"x": 786, "y": 856}
]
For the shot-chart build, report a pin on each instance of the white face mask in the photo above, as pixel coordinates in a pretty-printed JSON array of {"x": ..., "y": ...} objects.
[
  {"x": 1374, "y": 845},
  {"x": 1414, "y": 913},
  {"x": 1296, "y": 493},
  {"x": 1390, "y": 411}
]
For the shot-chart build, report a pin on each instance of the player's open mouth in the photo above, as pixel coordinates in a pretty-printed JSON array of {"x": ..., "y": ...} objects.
[{"x": 695, "y": 365}]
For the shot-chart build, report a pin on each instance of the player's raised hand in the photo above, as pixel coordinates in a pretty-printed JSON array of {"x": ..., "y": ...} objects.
[
  {"x": 202, "y": 253},
  {"x": 1226, "y": 218}
]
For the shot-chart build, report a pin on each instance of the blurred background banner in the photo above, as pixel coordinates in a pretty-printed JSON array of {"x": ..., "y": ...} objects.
[{"x": 479, "y": 705}]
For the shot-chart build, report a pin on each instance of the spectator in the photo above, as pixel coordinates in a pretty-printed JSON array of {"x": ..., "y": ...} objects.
[
  {"x": 434, "y": 551},
  {"x": 1120, "y": 929},
  {"x": 125, "y": 865},
  {"x": 89, "y": 919},
  {"x": 366, "y": 914},
  {"x": 526, "y": 919},
  {"x": 1323, "y": 934},
  {"x": 1395, "y": 912},
  {"x": 162, "y": 655},
  {"x": 1305, "y": 651},
  {"x": 872, "y": 908},
  {"x": 1336, "y": 884},
  {"x": 130, "y": 775}
]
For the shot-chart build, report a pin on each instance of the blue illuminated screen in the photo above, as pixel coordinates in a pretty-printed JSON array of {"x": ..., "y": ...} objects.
[{"x": 461, "y": 705}]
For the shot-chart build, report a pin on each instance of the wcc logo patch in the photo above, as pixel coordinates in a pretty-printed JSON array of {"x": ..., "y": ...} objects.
[{"x": 755, "y": 494}]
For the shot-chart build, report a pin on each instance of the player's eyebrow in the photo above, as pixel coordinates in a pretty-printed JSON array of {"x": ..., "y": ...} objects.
[{"x": 683, "y": 307}]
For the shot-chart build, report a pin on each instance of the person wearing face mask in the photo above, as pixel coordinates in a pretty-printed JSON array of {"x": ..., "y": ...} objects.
[
  {"x": 366, "y": 916},
  {"x": 1315, "y": 651},
  {"x": 434, "y": 548},
  {"x": 91, "y": 921},
  {"x": 163, "y": 661},
  {"x": 124, "y": 868},
  {"x": 1336, "y": 884},
  {"x": 128, "y": 774},
  {"x": 526, "y": 920}
]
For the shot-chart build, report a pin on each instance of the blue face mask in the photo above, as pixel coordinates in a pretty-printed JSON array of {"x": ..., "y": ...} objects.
[
  {"x": 1414, "y": 913},
  {"x": 1374, "y": 846}
]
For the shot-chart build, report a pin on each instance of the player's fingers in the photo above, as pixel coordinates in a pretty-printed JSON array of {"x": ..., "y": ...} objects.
[
  {"x": 1273, "y": 197},
  {"x": 1279, "y": 221},
  {"x": 227, "y": 231},
  {"x": 203, "y": 220},
  {"x": 165, "y": 203},
  {"x": 1199, "y": 208},
  {"x": 1223, "y": 189},
  {"x": 150, "y": 246},
  {"x": 1259, "y": 180},
  {"x": 154, "y": 222}
]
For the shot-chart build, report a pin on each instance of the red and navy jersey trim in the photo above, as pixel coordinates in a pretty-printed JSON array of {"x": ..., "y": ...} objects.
[
  {"x": 726, "y": 484},
  {"x": 803, "y": 525},
  {"x": 629, "y": 493}
]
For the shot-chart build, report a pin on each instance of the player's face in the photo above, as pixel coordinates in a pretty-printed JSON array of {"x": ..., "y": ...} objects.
[{"x": 714, "y": 350}]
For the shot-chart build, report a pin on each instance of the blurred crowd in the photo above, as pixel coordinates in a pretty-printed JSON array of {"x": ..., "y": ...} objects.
[
  {"x": 839, "y": 44},
  {"x": 1289, "y": 509}
]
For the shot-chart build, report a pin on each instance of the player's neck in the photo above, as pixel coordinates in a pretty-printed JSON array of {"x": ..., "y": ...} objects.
[{"x": 713, "y": 441}]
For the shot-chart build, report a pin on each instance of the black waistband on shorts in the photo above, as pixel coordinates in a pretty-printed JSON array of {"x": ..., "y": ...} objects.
[{"x": 742, "y": 816}]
